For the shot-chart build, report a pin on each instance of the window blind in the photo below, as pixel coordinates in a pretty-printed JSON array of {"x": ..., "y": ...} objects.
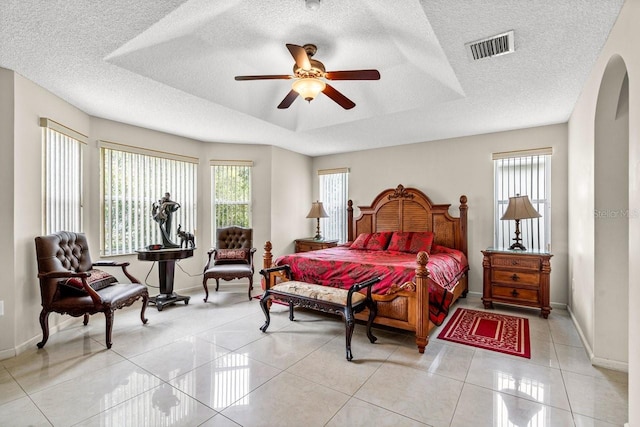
[
  {"x": 231, "y": 194},
  {"x": 334, "y": 193}
]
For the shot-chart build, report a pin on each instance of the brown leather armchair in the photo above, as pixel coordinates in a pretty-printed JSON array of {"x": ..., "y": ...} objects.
[
  {"x": 232, "y": 258},
  {"x": 70, "y": 283}
]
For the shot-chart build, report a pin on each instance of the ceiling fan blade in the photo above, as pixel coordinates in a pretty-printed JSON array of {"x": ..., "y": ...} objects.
[
  {"x": 342, "y": 100},
  {"x": 288, "y": 100},
  {"x": 353, "y": 75},
  {"x": 266, "y": 77},
  {"x": 300, "y": 55}
]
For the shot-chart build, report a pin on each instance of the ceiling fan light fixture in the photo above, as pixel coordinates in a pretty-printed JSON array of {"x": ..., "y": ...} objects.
[
  {"x": 312, "y": 4},
  {"x": 308, "y": 87}
]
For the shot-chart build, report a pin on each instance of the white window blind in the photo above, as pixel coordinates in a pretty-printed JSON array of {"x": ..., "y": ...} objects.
[
  {"x": 334, "y": 193},
  {"x": 231, "y": 193},
  {"x": 132, "y": 180},
  {"x": 523, "y": 173},
  {"x": 62, "y": 177}
]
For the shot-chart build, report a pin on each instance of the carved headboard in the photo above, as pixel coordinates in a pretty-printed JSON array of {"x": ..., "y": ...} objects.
[{"x": 409, "y": 209}]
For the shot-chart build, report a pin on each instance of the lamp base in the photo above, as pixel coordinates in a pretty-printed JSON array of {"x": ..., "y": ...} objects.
[
  {"x": 517, "y": 246},
  {"x": 317, "y": 237}
]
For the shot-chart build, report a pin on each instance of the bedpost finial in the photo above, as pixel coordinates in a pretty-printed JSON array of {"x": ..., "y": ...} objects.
[
  {"x": 267, "y": 246},
  {"x": 463, "y": 199},
  {"x": 422, "y": 259}
]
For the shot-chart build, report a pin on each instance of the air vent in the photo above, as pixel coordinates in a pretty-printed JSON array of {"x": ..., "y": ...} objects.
[{"x": 500, "y": 44}]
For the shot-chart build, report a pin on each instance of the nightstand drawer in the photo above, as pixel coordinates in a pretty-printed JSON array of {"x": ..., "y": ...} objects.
[
  {"x": 515, "y": 294},
  {"x": 515, "y": 277},
  {"x": 511, "y": 261},
  {"x": 305, "y": 247}
]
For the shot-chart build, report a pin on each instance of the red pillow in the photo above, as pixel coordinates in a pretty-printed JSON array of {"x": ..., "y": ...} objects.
[
  {"x": 99, "y": 279},
  {"x": 411, "y": 241},
  {"x": 372, "y": 241},
  {"x": 400, "y": 241},
  {"x": 421, "y": 241}
]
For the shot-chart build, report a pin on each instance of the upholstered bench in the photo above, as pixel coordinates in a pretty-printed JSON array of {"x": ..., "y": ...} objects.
[{"x": 321, "y": 298}]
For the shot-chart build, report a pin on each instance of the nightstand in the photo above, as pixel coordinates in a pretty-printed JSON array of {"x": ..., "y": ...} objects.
[
  {"x": 311, "y": 244},
  {"x": 516, "y": 277}
]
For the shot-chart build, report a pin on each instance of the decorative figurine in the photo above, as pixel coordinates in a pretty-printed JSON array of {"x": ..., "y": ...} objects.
[
  {"x": 186, "y": 238},
  {"x": 162, "y": 212}
]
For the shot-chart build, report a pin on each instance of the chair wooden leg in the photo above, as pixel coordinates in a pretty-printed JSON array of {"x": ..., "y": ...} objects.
[
  {"x": 217, "y": 284},
  {"x": 44, "y": 323},
  {"x": 250, "y": 286},
  {"x": 206, "y": 289},
  {"x": 145, "y": 302},
  {"x": 85, "y": 320},
  {"x": 108, "y": 315}
]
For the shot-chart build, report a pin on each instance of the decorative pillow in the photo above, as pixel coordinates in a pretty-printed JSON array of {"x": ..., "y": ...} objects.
[
  {"x": 98, "y": 280},
  {"x": 411, "y": 241},
  {"x": 231, "y": 255},
  {"x": 421, "y": 241},
  {"x": 400, "y": 241},
  {"x": 372, "y": 241}
]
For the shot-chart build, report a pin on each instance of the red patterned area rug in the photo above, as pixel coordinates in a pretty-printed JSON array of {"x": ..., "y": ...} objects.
[{"x": 497, "y": 332}]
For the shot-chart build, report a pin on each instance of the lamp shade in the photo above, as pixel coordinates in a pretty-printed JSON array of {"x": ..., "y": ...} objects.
[
  {"x": 308, "y": 87},
  {"x": 317, "y": 211},
  {"x": 520, "y": 207}
]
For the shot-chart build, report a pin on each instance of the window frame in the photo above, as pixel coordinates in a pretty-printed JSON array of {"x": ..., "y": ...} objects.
[
  {"x": 62, "y": 195},
  {"x": 335, "y": 226},
  {"x": 529, "y": 173},
  {"x": 248, "y": 200},
  {"x": 159, "y": 170}
]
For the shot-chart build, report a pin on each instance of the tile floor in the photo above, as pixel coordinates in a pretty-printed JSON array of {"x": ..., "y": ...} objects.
[{"x": 207, "y": 364}]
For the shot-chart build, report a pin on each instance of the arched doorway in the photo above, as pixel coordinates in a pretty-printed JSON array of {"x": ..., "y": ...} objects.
[{"x": 611, "y": 203}]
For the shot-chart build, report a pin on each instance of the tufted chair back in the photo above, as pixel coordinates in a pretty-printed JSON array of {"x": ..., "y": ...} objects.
[
  {"x": 234, "y": 238},
  {"x": 62, "y": 251}
]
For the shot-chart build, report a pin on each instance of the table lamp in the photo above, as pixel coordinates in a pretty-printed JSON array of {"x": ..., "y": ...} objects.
[
  {"x": 520, "y": 207},
  {"x": 317, "y": 211}
]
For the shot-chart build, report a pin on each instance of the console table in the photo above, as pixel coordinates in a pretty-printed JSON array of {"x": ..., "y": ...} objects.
[{"x": 166, "y": 259}]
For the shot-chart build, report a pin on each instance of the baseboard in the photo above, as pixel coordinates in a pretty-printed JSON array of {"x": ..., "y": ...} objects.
[
  {"x": 615, "y": 365},
  {"x": 556, "y": 305},
  {"x": 32, "y": 342}
]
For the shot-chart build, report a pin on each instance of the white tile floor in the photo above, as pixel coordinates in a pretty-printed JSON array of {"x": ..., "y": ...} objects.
[{"x": 207, "y": 364}]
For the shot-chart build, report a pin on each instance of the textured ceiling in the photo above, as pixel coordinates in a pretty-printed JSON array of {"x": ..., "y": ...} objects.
[{"x": 169, "y": 65}]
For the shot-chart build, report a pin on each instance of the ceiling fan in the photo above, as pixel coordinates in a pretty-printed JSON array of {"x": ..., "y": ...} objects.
[{"x": 308, "y": 74}]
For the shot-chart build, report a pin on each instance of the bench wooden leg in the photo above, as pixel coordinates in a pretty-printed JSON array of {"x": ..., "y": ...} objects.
[
  {"x": 373, "y": 312},
  {"x": 349, "y": 327},
  {"x": 264, "y": 303},
  {"x": 291, "y": 311}
]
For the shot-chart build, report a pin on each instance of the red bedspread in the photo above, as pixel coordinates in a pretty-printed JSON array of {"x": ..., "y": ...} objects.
[{"x": 341, "y": 267}]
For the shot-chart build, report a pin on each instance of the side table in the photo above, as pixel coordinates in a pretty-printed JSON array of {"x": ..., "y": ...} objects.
[
  {"x": 166, "y": 259},
  {"x": 517, "y": 277}
]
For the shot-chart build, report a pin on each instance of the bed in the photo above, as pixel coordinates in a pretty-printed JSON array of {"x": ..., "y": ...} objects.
[{"x": 417, "y": 288}]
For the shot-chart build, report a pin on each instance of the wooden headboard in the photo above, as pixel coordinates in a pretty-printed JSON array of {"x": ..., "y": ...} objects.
[{"x": 409, "y": 209}]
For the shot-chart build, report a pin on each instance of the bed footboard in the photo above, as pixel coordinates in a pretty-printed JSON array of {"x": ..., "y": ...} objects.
[{"x": 405, "y": 309}]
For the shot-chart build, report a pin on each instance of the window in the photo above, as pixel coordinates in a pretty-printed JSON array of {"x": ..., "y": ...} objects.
[
  {"x": 334, "y": 193},
  {"x": 62, "y": 177},
  {"x": 231, "y": 193},
  {"x": 132, "y": 180},
  {"x": 524, "y": 173}
]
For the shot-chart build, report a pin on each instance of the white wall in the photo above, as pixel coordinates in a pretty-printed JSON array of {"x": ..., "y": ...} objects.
[
  {"x": 291, "y": 200},
  {"x": 444, "y": 170},
  {"x": 622, "y": 41},
  {"x": 7, "y": 286}
]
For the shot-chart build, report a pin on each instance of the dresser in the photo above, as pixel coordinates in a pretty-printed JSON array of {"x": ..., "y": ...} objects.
[
  {"x": 311, "y": 244},
  {"x": 516, "y": 277}
]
